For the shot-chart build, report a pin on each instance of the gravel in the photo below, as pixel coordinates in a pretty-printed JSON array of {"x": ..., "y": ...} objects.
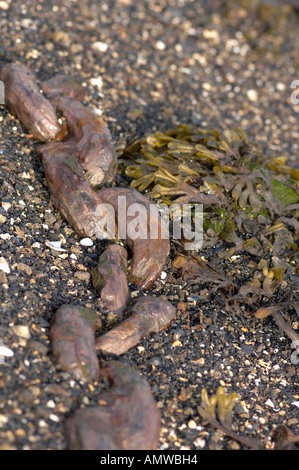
[{"x": 146, "y": 66}]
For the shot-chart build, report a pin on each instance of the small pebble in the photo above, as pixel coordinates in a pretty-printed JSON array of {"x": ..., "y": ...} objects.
[
  {"x": 192, "y": 424},
  {"x": 3, "y": 419},
  {"x": 4, "y": 5},
  {"x": 51, "y": 404},
  {"x": 99, "y": 46},
  {"x": 22, "y": 331},
  {"x": 160, "y": 45},
  {"x": 4, "y": 266},
  {"x": 200, "y": 443},
  {"x": 86, "y": 242},
  {"x": 155, "y": 361},
  {"x": 82, "y": 275},
  {"x": 96, "y": 82},
  {"x": 252, "y": 95}
]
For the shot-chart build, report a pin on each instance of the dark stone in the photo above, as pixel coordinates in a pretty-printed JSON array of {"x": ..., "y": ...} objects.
[
  {"x": 70, "y": 192},
  {"x": 24, "y": 99},
  {"x": 148, "y": 315},
  {"x": 110, "y": 279},
  {"x": 127, "y": 417},
  {"x": 94, "y": 148},
  {"x": 73, "y": 346},
  {"x": 148, "y": 254},
  {"x": 63, "y": 85}
]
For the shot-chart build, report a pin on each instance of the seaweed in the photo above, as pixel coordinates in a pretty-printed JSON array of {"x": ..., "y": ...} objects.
[
  {"x": 241, "y": 189},
  {"x": 219, "y": 405},
  {"x": 217, "y": 410},
  {"x": 250, "y": 201}
]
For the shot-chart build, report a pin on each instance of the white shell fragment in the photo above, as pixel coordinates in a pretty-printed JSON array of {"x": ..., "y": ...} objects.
[
  {"x": 36, "y": 245},
  {"x": 55, "y": 245},
  {"x": 4, "y": 266},
  {"x": 5, "y": 236},
  {"x": 86, "y": 242},
  {"x": 5, "y": 351}
]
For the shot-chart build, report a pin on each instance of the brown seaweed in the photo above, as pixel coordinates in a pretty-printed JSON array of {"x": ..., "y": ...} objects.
[
  {"x": 147, "y": 315},
  {"x": 149, "y": 253},
  {"x": 73, "y": 345},
  {"x": 93, "y": 141},
  {"x": 110, "y": 279},
  {"x": 250, "y": 202},
  {"x": 127, "y": 417},
  {"x": 70, "y": 192},
  {"x": 24, "y": 99},
  {"x": 217, "y": 411}
]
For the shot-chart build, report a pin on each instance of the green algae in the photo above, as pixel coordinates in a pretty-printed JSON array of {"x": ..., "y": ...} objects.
[
  {"x": 282, "y": 191},
  {"x": 250, "y": 200},
  {"x": 242, "y": 190}
]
